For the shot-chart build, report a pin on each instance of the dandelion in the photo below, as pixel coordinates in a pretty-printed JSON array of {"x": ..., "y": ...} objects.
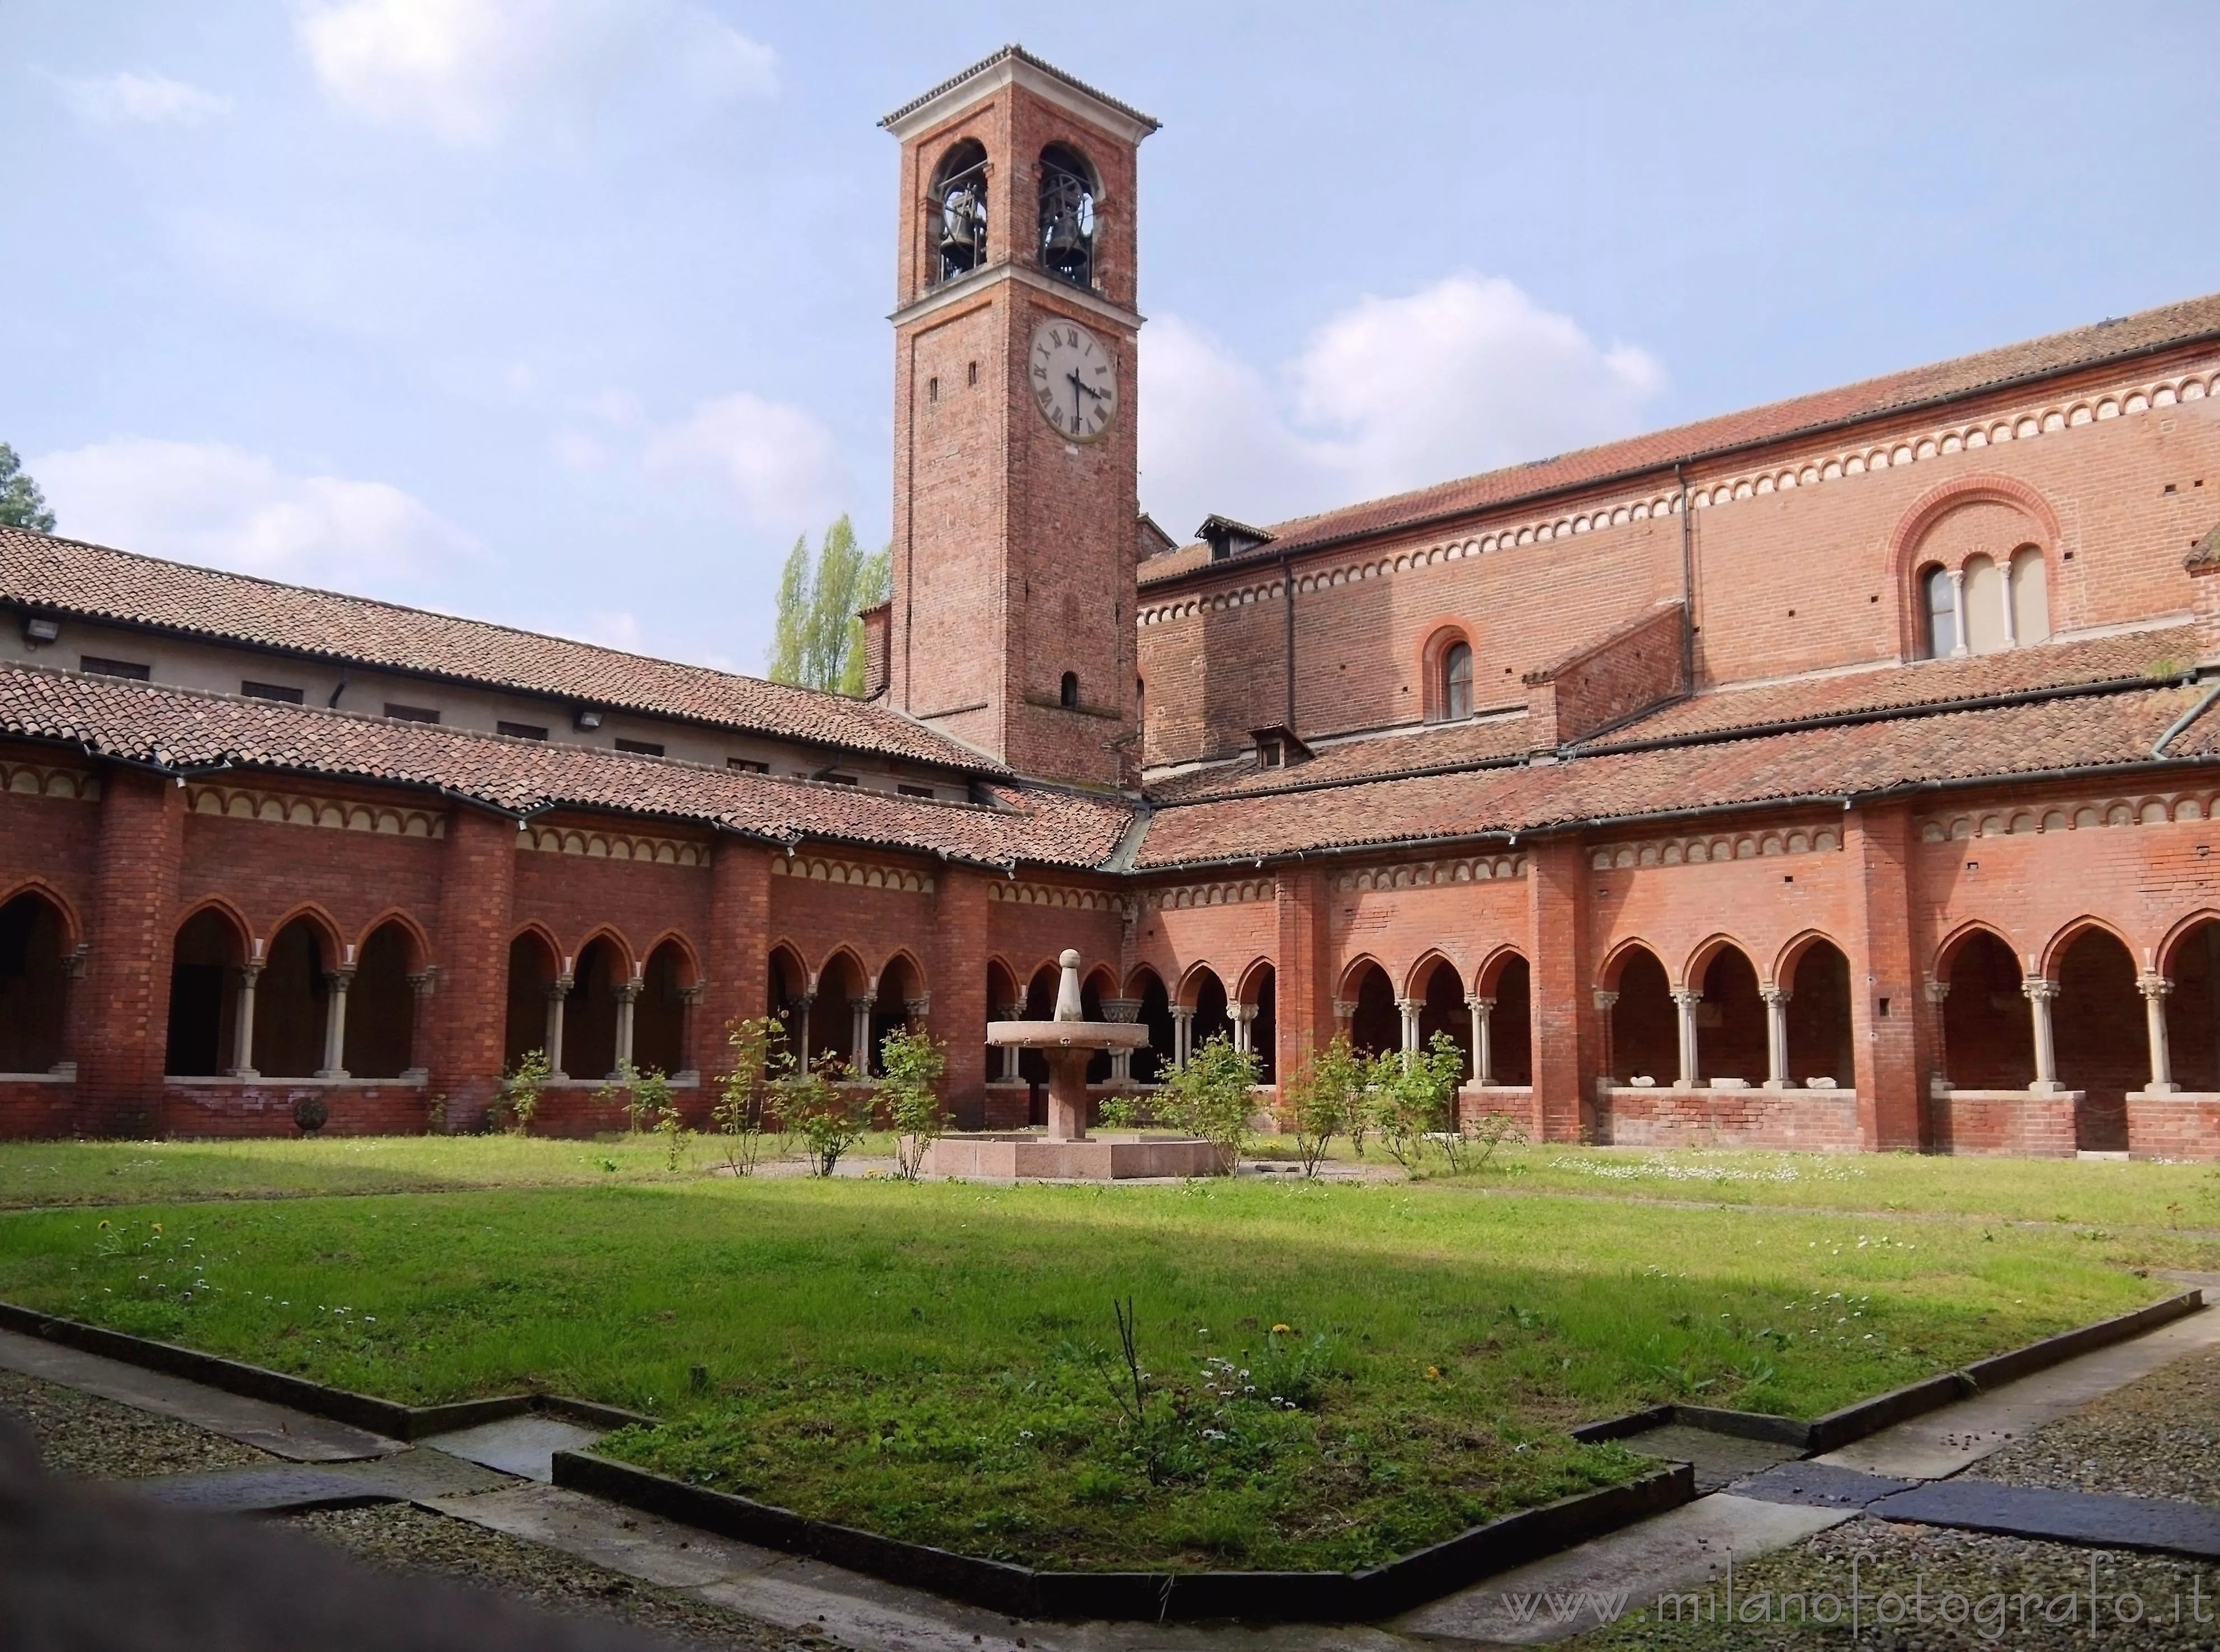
[
  {"x": 105, "y": 1226},
  {"x": 1277, "y": 1330},
  {"x": 157, "y": 1227},
  {"x": 1432, "y": 1372}
]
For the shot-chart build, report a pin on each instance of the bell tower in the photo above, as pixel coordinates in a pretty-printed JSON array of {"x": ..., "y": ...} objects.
[{"x": 1015, "y": 466}]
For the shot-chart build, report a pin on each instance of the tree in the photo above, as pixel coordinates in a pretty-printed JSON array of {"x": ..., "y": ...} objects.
[
  {"x": 1322, "y": 1099},
  {"x": 22, "y": 504},
  {"x": 914, "y": 1065},
  {"x": 1213, "y": 1097},
  {"x": 818, "y": 642}
]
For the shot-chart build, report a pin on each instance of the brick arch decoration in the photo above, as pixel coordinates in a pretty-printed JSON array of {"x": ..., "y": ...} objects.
[
  {"x": 1485, "y": 978},
  {"x": 627, "y": 960},
  {"x": 689, "y": 960},
  {"x": 1621, "y": 953},
  {"x": 73, "y": 926},
  {"x": 908, "y": 960},
  {"x": 1353, "y": 972},
  {"x": 326, "y": 928},
  {"x": 1253, "y": 980},
  {"x": 1707, "y": 949},
  {"x": 1946, "y": 951},
  {"x": 1422, "y": 971},
  {"x": 1785, "y": 962},
  {"x": 855, "y": 959},
  {"x": 1930, "y": 508},
  {"x": 1442, "y": 636},
  {"x": 1191, "y": 982},
  {"x": 419, "y": 943},
  {"x": 2170, "y": 947},
  {"x": 2072, "y": 931}
]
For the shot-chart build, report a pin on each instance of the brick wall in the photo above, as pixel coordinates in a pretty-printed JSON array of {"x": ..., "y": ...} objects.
[{"x": 1638, "y": 666}]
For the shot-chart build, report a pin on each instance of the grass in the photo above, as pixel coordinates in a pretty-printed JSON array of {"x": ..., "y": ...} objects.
[{"x": 938, "y": 1361}]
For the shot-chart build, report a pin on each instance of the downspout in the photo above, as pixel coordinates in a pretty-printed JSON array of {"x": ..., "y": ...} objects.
[
  {"x": 1687, "y": 583},
  {"x": 1288, "y": 598},
  {"x": 2186, "y": 718}
]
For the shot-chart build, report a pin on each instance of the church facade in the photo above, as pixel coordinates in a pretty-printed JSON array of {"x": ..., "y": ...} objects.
[{"x": 1837, "y": 774}]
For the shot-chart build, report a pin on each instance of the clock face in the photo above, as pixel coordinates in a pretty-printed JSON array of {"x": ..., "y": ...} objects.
[{"x": 1074, "y": 378}]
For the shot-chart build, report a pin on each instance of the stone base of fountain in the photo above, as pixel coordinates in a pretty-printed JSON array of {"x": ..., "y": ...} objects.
[{"x": 1031, "y": 1156}]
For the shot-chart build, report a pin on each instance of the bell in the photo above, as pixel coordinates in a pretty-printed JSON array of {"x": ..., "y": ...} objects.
[{"x": 960, "y": 221}]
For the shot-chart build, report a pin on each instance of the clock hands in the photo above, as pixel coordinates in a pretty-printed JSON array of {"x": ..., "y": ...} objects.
[{"x": 1077, "y": 385}]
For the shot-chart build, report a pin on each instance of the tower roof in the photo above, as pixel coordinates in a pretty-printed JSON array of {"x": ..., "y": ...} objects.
[{"x": 1011, "y": 60}]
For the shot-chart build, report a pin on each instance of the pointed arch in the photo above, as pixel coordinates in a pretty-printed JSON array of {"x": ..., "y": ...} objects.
[
  {"x": 1139, "y": 977},
  {"x": 1705, "y": 952},
  {"x": 1620, "y": 955},
  {"x": 2072, "y": 931},
  {"x": 1198, "y": 978},
  {"x": 1353, "y": 973},
  {"x": 420, "y": 943},
  {"x": 535, "y": 963},
  {"x": 34, "y": 980},
  {"x": 627, "y": 962},
  {"x": 292, "y": 995},
  {"x": 380, "y": 1038},
  {"x": 223, "y": 911},
  {"x": 687, "y": 959},
  {"x": 208, "y": 952},
  {"x": 1490, "y": 973},
  {"x": 1259, "y": 971},
  {"x": 1417, "y": 978},
  {"x": 326, "y": 927},
  {"x": 72, "y": 927},
  {"x": 1947, "y": 949},
  {"x": 1792, "y": 954},
  {"x": 902, "y": 959},
  {"x": 662, "y": 1030}
]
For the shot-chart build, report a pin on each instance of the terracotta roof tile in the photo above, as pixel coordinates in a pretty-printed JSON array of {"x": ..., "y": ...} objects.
[
  {"x": 1426, "y": 745},
  {"x": 68, "y": 578},
  {"x": 2059, "y": 352},
  {"x": 180, "y": 729},
  {"x": 2081, "y": 732}
]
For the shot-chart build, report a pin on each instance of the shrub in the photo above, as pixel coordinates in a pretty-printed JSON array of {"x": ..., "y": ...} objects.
[
  {"x": 521, "y": 1090},
  {"x": 828, "y": 1119},
  {"x": 1322, "y": 1098},
  {"x": 1212, "y": 1097},
  {"x": 759, "y": 1058},
  {"x": 912, "y": 1065},
  {"x": 1468, "y": 1149},
  {"x": 1411, "y": 1094}
]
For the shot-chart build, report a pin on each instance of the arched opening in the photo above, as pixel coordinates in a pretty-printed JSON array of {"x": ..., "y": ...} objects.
[
  {"x": 1067, "y": 214},
  {"x": 1441, "y": 1009},
  {"x": 1040, "y": 1005},
  {"x": 1730, "y": 1029},
  {"x": 1818, "y": 1016},
  {"x": 899, "y": 982},
  {"x": 658, "y": 1016},
  {"x": 785, "y": 983},
  {"x": 1264, "y": 1029},
  {"x": 33, "y": 984},
  {"x": 2095, "y": 1023},
  {"x": 1067, "y": 692},
  {"x": 832, "y": 1017},
  {"x": 204, "y": 975},
  {"x": 1987, "y": 1041},
  {"x": 1156, "y": 1014},
  {"x": 1645, "y": 1031},
  {"x": 1376, "y": 1025},
  {"x": 1985, "y": 601},
  {"x": 1939, "y": 605},
  {"x": 2031, "y": 596},
  {"x": 1456, "y": 680},
  {"x": 381, "y": 1012},
  {"x": 532, "y": 966},
  {"x": 291, "y": 999},
  {"x": 590, "y": 1011},
  {"x": 2193, "y": 1008},
  {"x": 958, "y": 221},
  {"x": 1004, "y": 1003},
  {"x": 1511, "y": 1023},
  {"x": 1207, "y": 994},
  {"x": 1090, "y": 1006}
]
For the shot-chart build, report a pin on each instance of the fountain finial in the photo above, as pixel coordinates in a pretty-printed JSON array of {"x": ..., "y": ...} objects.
[{"x": 1068, "y": 1006}]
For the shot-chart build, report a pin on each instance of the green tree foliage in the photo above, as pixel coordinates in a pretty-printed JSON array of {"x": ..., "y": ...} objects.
[
  {"x": 22, "y": 504},
  {"x": 1411, "y": 1096},
  {"x": 818, "y": 642},
  {"x": 913, "y": 1066},
  {"x": 1323, "y": 1101},
  {"x": 1213, "y": 1097}
]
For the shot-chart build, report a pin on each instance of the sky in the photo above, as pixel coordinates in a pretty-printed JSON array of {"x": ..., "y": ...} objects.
[{"x": 571, "y": 313}]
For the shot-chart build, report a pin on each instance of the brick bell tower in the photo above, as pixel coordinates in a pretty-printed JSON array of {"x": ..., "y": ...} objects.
[{"x": 1015, "y": 467}]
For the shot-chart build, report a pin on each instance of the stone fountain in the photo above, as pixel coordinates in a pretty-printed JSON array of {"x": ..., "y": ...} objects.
[{"x": 1068, "y": 1041}]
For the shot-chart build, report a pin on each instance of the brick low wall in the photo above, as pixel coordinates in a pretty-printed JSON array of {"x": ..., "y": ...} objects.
[
  {"x": 265, "y": 1106},
  {"x": 2015, "y": 1122},
  {"x": 1809, "y": 1120},
  {"x": 2185, "y": 1126},
  {"x": 1476, "y": 1102},
  {"x": 32, "y": 1105}
]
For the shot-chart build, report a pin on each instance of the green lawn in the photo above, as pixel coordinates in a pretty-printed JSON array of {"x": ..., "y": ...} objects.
[{"x": 931, "y": 1360}]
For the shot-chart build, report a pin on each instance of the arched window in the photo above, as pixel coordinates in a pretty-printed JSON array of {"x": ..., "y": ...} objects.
[
  {"x": 2030, "y": 597},
  {"x": 1067, "y": 694},
  {"x": 957, "y": 220},
  {"x": 1988, "y": 609},
  {"x": 1456, "y": 680},
  {"x": 1942, "y": 605},
  {"x": 1067, "y": 214}
]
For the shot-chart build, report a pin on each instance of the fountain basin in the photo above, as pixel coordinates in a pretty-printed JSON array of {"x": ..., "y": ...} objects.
[{"x": 1031, "y": 1157}]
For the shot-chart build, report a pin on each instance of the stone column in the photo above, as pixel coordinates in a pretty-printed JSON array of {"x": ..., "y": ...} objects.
[
  {"x": 1958, "y": 649},
  {"x": 797, "y": 1031},
  {"x": 1182, "y": 1035},
  {"x": 627, "y": 993},
  {"x": 242, "y": 1032},
  {"x": 1126, "y": 1012},
  {"x": 689, "y": 1005},
  {"x": 1011, "y": 1054},
  {"x": 72, "y": 974},
  {"x": 859, "y": 1032},
  {"x": 335, "y": 1021},
  {"x": 558, "y": 990},
  {"x": 1244, "y": 1025},
  {"x": 1776, "y": 1036},
  {"x": 2040, "y": 992},
  {"x": 2155, "y": 988},
  {"x": 1410, "y": 1008},
  {"x": 1939, "y": 1082},
  {"x": 1483, "y": 1040},
  {"x": 1686, "y": 1003},
  {"x": 420, "y": 982},
  {"x": 1603, "y": 1000}
]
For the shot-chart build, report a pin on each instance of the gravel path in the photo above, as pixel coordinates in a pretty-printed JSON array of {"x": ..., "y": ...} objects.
[
  {"x": 2157, "y": 1437},
  {"x": 401, "y": 1538},
  {"x": 90, "y": 1438}
]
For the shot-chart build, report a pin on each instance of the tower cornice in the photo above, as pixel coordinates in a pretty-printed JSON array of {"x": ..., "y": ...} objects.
[
  {"x": 1015, "y": 65},
  {"x": 976, "y": 282}
]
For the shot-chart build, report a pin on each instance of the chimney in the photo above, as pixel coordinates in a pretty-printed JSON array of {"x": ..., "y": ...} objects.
[{"x": 875, "y": 648}]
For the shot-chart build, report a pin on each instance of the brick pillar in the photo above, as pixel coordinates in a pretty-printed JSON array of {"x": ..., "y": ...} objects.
[
  {"x": 470, "y": 1014},
  {"x": 1303, "y": 972},
  {"x": 1565, "y": 1034},
  {"x": 122, "y": 1005},
  {"x": 1887, "y": 1044},
  {"x": 959, "y": 990},
  {"x": 738, "y": 967}
]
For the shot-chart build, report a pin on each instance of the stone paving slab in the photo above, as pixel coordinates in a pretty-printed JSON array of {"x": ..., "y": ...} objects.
[
  {"x": 524, "y": 1446},
  {"x": 1720, "y": 1460},
  {"x": 1820, "y": 1486},
  {"x": 2034, "y": 1511},
  {"x": 1939, "y": 1444},
  {"x": 262, "y": 1491},
  {"x": 275, "y": 1429}
]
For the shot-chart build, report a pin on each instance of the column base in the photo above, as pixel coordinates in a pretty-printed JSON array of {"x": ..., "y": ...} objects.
[
  {"x": 415, "y": 1075},
  {"x": 2157, "y": 1089},
  {"x": 243, "y": 1072},
  {"x": 2045, "y": 1087},
  {"x": 331, "y": 1072}
]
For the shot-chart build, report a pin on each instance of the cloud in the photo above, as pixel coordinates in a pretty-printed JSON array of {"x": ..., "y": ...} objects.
[
  {"x": 1463, "y": 376},
  {"x": 781, "y": 464},
  {"x": 127, "y": 99},
  {"x": 467, "y": 70},
  {"x": 220, "y": 507}
]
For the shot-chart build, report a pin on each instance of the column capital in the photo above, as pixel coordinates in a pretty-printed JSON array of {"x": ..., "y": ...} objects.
[
  {"x": 1241, "y": 1012},
  {"x": 1776, "y": 994},
  {"x": 421, "y": 981},
  {"x": 560, "y": 987},
  {"x": 1483, "y": 1005},
  {"x": 693, "y": 994},
  {"x": 1343, "y": 1010},
  {"x": 2039, "y": 989},
  {"x": 1937, "y": 990},
  {"x": 802, "y": 1002},
  {"x": 251, "y": 968},
  {"x": 627, "y": 991},
  {"x": 919, "y": 1008},
  {"x": 74, "y": 961},
  {"x": 1182, "y": 1011},
  {"x": 1685, "y": 999},
  {"x": 1411, "y": 1006},
  {"x": 1013, "y": 1012},
  {"x": 1605, "y": 998},
  {"x": 2154, "y": 985},
  {"x": 340, "y": 980}
]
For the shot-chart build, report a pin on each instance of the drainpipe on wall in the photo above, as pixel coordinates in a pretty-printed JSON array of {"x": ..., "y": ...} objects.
[
  {"x": 1688, "y": 582},
  {"x": 1287, "y": 599}
]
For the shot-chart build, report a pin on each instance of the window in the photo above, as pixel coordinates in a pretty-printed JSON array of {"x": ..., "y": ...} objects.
[
  {"x": 1067, "y": 694},
  {"x": 277, "y": 691},
  {"x": 1986, "y": 617},
  {"x": 1067, "y": 214},
  {"x": 1456, "y": 680},
  {"x": 1940, "y": 601},
  {"x": 520, "y": 731},
  {"x": 932, "y": 390},
  {"x": 411, "y": 713},
  {"x": 957, "y": 218},
  {"x": 914, "y": 791},
  {"x": 974, "y": 370},
  {"x": 2030, "y": 597},
  {"x": 1270, "y": 754},
  {"x": 94, "y": 665},
  {"x": 838, "y": 780},
  {"x": 747, "y": 765},
  {"x": 639, "y": 748}
]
